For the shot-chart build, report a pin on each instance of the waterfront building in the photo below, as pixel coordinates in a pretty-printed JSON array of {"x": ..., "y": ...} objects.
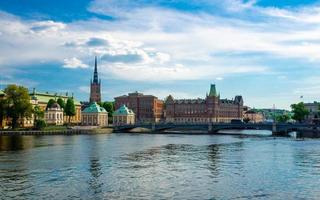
[
  {"x": 54, "y": 115},
  {"x": 95, "y": 85},
  {"x": 41, "y": 99},
  {"x": 5, "y": 120},
  {"x": 314, "y": 111},
  {"x": 147, "y": 108},
  {"x": 210, "y": 109},
  {"x": 94, "y": 115},
  {"x": 123, "y": 116},
  {"x": 254, "y": 116}
]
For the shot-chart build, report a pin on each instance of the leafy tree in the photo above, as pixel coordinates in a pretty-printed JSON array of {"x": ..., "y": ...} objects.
[
  {"x": 70, "y": 109},
  {"x": 3, "y": 110},
  {"x": 246, "y": 120},
  {"x": 61, "y": 103},
  {"x": 40, "y": 124},
  {"x": 299, "y": 111},
  {"x": 50, "y": 103},
  {"x": 19, "y": 105},
  {"x": 37, "y": 113},
  {"x": 283, "y": 118},
  {"x": 109, "y": 108}
]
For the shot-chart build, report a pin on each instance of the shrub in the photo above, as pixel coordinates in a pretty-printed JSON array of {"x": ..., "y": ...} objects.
[{"x": 40, "y": 124}]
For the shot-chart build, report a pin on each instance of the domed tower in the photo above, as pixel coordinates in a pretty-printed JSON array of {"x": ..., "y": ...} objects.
[
  {"x": 212, "y": 101},
  {"x": 95, "y": 85}
]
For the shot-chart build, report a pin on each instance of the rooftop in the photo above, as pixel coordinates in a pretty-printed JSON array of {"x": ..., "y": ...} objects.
[
  {"x": 123, "y": 110},
  {"x": 45, "y": 97},
  {"x": 94, "y": 108}
]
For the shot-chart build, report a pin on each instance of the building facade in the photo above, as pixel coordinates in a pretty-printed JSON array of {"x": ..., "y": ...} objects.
[
  {"x": 210, "y": 109},
  {"x": 254, "y": 116},
  {"x": 95, "y": 85},
  {"x": 94, "y": 115},
  {"x": 314, "y": 112},
  {"x": 41, "y": 99},
  {"x": 4, "y": 122},
  {"x": 54, "y": 115},
  {"x": 147, "y": 108},
  {"x": 123, "y": 116}
]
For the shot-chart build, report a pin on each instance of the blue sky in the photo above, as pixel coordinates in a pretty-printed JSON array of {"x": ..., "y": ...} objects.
[{"x": 266, "y": 50}]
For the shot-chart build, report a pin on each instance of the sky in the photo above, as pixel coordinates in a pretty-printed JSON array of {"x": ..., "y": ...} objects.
[{"x": 268, "y": 51}]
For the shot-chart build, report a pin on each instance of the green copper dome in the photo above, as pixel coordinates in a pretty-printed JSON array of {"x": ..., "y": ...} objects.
[
  {"x": 123, "y": 110},
  {"x": 94, "y": 108},
  {"x": 213, "y": 91}
]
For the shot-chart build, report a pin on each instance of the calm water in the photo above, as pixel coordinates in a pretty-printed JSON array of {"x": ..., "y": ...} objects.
[{"x": 142, "y": 166}]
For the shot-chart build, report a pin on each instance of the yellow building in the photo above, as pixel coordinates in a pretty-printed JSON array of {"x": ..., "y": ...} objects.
[
  {"x": 253, "y": 116},
  {"x": 123, "y": 116},
  {"x": 41, "y": 99},
  {"x": 4, "y": 122}
]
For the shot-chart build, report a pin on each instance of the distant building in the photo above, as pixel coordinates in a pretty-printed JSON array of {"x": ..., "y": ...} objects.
[
  {"x": 5, "y": 120},
  {"x": 94, "y": 115},
  {"x": 123, "y": 116},
  {"x": 314, "y": 111},
  {"x": 95, "y": 85},
  {"x": 54, "y": 115},
  {"x": 210, "y": 109},
  {"x": 253, "y": 116},
  {"x": 41, "y": 99},
  {"x": 147, "y": 108}
]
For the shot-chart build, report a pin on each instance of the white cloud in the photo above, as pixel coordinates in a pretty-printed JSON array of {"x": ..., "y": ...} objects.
[
  {"x": 145, "y": 45},
  {"x": 73, "y": 63}
]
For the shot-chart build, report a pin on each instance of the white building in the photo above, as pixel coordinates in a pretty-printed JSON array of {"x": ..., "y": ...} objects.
[
  {"x": 123, "y": 115},
  {"x": 54, "y": 115}
]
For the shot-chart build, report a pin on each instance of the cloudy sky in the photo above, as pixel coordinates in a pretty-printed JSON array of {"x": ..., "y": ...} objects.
[{"x": 266, "y": 50}]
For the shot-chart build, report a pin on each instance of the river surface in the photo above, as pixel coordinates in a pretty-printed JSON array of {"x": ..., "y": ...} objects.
[{"x": 155, "y": 166}]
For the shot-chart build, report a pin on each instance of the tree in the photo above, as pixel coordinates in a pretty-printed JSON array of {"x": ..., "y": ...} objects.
[
  {"x": 40, "y": 124},
  {"x": 109, "y": 108},
  {"x": 61, "y": 103},
  {"x": 283, "y": 118},
  {"x": 70, "y": 109},
  {"x": 299, "y": 111},
  {"x": 37, "y": 113},
  {"x": 50, "y": 103},
  {"x": 19, "y": 105}
]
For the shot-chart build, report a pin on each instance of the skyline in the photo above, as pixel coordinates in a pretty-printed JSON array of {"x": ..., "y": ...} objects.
[{"x": 266, "y": 51}]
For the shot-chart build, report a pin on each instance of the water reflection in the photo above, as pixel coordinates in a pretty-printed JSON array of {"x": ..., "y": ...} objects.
[
  {"x": 13, "y": 143},
  {"x": 158, "y": 167}
]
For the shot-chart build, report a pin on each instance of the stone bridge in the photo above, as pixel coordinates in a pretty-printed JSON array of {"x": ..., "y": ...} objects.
[{"x": 280, "y": 129}]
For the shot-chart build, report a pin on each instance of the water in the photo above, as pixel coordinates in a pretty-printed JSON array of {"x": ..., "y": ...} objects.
[{"x": 145, "y": 166}]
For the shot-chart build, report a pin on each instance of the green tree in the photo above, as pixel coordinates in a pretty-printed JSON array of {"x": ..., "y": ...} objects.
[
  {"x": 70, "y": 109},
  {"x": 283, "y": 118},
  {"x": 109, "y": 108},
  {"x": 37, "y": 113},
  {"x": 19, "y": 105},
  {"x": 299, "y": 111},
  {"x": 50, "y": 103},
  {"x": 40, "y": 124},
  {"x": 61, "y": 103}
]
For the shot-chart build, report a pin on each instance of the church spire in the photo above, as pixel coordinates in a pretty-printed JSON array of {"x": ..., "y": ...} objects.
[{"x": 95, "y": 74}]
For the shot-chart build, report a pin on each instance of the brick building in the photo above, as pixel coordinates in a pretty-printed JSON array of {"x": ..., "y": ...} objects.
[
  {"x": 210, "y": 109},
  {"x": 147, "y": 108},
  {"x": 95, "y": 85}
]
